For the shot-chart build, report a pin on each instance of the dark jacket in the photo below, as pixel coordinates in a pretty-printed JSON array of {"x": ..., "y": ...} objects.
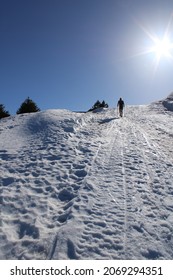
[{"x": 120, "y": 103}]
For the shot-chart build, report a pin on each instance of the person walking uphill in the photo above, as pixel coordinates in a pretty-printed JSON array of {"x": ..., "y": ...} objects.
[{"x": 120, "y": 106}]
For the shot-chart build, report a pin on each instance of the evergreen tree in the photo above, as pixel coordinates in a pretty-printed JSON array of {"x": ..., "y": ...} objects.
[
  {"x": 28, "y": 106},
  {"x": 3, "y": 112},
  {"x": 96, "y": 105},
  {"x": 104, "y": 104},
  {"x": 99, "y": 104}
]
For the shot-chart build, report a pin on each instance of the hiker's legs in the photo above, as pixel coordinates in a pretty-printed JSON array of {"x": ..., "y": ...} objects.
[{"x": 121, "y": 112}]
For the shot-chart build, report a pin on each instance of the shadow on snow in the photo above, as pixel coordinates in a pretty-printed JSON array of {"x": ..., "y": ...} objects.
[{"x": 107, "y": 120}]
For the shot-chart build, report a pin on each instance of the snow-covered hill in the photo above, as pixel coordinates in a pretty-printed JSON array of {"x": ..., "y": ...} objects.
[{"x": 87, "y": 185}]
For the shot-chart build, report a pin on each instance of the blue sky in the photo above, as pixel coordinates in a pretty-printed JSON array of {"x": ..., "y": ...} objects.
[{"x": 70, "y": 53}]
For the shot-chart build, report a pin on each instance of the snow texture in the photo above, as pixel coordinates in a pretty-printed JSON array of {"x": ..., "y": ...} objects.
[{"x": 87, "y": 185}]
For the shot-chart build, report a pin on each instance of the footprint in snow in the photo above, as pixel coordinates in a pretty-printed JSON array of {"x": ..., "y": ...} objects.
[
  {"x": 65, "y": 195},
  {"x": 80, "y": 173}
]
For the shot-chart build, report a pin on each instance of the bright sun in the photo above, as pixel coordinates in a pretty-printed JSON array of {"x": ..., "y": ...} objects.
[{"x": 162, "y": 48}]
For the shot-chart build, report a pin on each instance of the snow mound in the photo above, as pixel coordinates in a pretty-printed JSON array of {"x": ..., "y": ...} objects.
[{"x": 87, "y": 186}]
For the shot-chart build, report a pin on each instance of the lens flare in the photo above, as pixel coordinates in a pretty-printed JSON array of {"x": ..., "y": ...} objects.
[{"x": 160, "y": 47}]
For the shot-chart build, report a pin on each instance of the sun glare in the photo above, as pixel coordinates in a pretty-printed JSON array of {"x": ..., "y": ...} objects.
[{"x": 162, "y": 48}]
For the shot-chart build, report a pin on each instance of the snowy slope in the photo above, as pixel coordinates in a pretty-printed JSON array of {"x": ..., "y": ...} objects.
[{"x": 87, "y": 185}]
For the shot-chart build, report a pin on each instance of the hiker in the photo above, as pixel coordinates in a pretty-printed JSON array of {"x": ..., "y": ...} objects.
[{"x": 120, "y": 106}]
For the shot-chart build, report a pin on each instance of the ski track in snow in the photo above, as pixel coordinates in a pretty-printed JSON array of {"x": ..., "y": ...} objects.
[{"x": 87, "y": 186}]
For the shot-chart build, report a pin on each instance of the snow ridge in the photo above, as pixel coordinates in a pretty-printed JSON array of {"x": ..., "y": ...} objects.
[{"x": 87, "y": 185}]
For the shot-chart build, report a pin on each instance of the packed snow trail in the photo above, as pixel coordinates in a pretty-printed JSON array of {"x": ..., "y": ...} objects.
[
  {"x": 124, "y": 214},
  {"x": 87, "y": 186}
]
